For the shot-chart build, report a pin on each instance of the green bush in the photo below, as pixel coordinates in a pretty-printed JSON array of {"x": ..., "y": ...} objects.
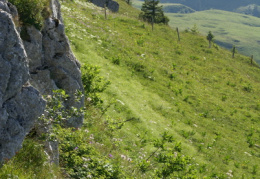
[
  {"x": 93, "y": 84},
  {"x": 31, "y": 12},
  {"x": 80, "y": 159}
]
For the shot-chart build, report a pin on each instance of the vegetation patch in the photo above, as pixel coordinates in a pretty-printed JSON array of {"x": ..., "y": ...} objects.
[{"x": 32, "y": 12}]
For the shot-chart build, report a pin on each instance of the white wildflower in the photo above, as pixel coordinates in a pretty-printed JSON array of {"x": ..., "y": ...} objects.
[
  {"x": 123, "y": 157},
  {"x": 91, "y": 136}
]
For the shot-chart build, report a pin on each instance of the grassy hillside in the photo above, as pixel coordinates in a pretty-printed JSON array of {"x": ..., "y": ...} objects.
[
  {"x": 205, "y": 99},
  {"x": 229, "y": 28},
  {"x": 172, "y": 109}
]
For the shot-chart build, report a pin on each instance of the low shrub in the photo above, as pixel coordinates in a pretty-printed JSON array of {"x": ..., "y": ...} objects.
[{"x": 31, "y": 12}]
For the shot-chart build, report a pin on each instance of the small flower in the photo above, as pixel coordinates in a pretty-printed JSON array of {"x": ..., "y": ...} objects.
[
  {"x": 129, "y": 159},
  {"x": 110, "y": 156},
  {"x": 76, "y": 148},
  {"x": 91, "y": 136},
  {"x": 123, "y": 157}
]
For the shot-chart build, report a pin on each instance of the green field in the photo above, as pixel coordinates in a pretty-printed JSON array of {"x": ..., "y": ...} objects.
[{"x": 172, "y": 109}]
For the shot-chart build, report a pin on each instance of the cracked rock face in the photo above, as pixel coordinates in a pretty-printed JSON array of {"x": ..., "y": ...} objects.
[
  {"x": 52, "y": 63},
  {"x": 44, "y": 60},
  {"x": 20, "y": 103}
]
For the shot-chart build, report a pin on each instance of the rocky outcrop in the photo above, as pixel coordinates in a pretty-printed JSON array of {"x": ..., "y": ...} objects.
[
  {"x": 43, "y": 60},
  {"x": 53, "y": 66},
  {"x": 20, "y": 103},
  {"x": 110, "y": 4},
  {"x": 52, "y": 63}
]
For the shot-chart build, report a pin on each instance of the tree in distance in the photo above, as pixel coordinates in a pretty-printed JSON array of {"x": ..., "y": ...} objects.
[
  {"x": 153, "y": 13},
  {"x": 210, "y": 38},
  {"x": 233, "y": 51}
]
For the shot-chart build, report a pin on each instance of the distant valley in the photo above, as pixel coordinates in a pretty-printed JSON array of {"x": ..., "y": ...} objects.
[{"x": 232, "y": 22}]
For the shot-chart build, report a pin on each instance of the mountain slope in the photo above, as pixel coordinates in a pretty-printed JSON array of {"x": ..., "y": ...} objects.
[
  {"x": 173, "y": 109},
  {"x": 201, "y": 96}
]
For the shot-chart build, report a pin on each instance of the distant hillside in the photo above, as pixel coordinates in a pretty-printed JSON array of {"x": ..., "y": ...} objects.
[
  {"x": 199, "y": 5},
  {"x": 177, "y": 8},
  {"x": 251, "y": 9},
  {"x": 230, "y": 31}
]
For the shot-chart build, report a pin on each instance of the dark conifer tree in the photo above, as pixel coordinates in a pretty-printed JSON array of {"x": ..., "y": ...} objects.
[
  {"x": 152, "y": 12},
  {"x": 210, "y": 37}
]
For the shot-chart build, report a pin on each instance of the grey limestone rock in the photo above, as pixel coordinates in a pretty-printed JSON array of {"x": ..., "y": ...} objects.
[
  {"x": 20, "y": 103},
  {"x": 54, "y": 66},
  {"x": 52, "y": 63},
  {"x": 110, "y": 4},
  {"x": 33, "y": 47},
  {"x": 46, "y": 60}
]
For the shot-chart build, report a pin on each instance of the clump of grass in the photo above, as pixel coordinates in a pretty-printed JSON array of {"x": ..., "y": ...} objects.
[{"x": 29, "y": 162}]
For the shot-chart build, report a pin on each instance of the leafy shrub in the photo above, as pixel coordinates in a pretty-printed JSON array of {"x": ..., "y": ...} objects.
[
  {"x": 140, "y": 42},
  {"x": 56, "y": 112},
  {"x": 93, "y": 84},
  {"x": 31, "y": 12},
  {"x": 247, "y": 87},
  {"x": 80, "y": 158},
  {"x": 116, "y": 60},
  {"x": 194, "y": 58}
]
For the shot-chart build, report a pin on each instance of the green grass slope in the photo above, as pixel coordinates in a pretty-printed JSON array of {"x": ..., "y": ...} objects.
[
  {"x": 229, "y": 28},
  {"x": 204, "y": 98}
]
